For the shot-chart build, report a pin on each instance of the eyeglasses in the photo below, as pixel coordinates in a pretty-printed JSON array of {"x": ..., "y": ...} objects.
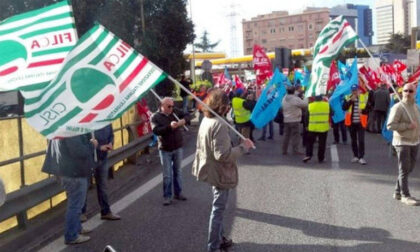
[{"x": 408, "y": 91}]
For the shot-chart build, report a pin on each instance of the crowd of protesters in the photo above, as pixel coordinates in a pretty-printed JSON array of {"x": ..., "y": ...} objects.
[{"x": 303, "y": 122}]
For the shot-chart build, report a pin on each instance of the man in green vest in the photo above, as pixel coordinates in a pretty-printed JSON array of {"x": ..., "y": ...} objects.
[
  {"x": 242, "y": 109},
  {"x": 318, "y": 126}
]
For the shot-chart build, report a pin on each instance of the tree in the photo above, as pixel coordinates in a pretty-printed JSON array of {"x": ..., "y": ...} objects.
[
  {"x": 205, "y": 44},
  {"x": 398, "y": 43}
]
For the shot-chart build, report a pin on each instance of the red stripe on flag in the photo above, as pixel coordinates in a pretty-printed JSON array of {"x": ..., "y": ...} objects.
[
  {"x": 8, "y": 71},
  {"x": 104, "y": 103},
  {"x": 46, "y": 63},
  {"x": 88, "y": 118},
  {"x": 338, "y": 36},
  {"x": 133, "y": 74},
  {"x": 324, "y": 50}
]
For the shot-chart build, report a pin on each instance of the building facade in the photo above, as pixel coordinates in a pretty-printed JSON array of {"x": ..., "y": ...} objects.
[
  {"x": 396, "y": 16},
  {"x": 279, "y": 29},
  {"x": 359, "y": 17}
]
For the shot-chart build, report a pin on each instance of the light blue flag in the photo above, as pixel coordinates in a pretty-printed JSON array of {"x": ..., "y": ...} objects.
[
  {"x": 342, "y": 70},
  {"x": 418, "y": 94},
  {"x": 343, "y": 89},
  {"x": 269, "y": 102},
  {"x": 285, "y": 80},
  {"x": 228, "y": 77},
  {"x": 306, "y": 77},
  {"x": 387, "y": 134},
  {"x": 298, "y": 78}
]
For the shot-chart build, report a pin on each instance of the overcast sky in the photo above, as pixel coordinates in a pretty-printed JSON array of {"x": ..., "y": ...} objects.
[{"x": 215, "y": 16}]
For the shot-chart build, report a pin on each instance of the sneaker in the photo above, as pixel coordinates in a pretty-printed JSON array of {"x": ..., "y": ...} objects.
[
  {"x": 226, "y": 243},
  {"x": 306, "y": 159},
  {"x": 79, "y": 239},
  {"x": 409, "y": 201},
  {"x": 355, "y": 160},
  {"x": 85, "y": 231},
  {"x": 397, "y": 196},
  {"x": 110, "y": 216},
  {"x": 83, "y": 218},
  {"x": 167, "y": 202},
  {"x": 362, "y": 161},
  {"x": 180, "y": 197}
]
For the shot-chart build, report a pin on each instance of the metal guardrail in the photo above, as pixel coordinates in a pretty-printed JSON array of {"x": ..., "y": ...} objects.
[{"x": 29, "y": 196}]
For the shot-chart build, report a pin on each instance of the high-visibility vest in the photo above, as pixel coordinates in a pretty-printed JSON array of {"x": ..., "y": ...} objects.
[
  {"x": 242, "y": 115},
  {"x": 363, "y": 98},
  {"x": 319, "y": 114}
]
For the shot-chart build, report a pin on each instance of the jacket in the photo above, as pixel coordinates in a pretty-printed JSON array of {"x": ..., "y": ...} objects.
[
  {"x": 215, "y": 158},
  {"x": 104, "y": 136},
  {"x": 70, "y": 157},
  {"x": 399, "y": 122},
  {"x": 169, "y": 139},
  {"x": 381, "y": 100},
  {"x": 292, "y": 108},
  {"x": 363, "y": 107}
]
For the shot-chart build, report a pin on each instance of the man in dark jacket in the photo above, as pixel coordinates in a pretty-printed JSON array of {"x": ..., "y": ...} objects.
[
  {"x": 71, "y": 159},
  {"x": 381, "y": 104},
  {"x": 169, "y": 132},
  {"x": 105, "y": 138}
]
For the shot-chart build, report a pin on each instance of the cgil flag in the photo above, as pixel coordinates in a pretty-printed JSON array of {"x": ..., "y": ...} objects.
[
  {"x": 101, "y": 78},
  {"x": 270, "y": 100},
  {"x": 333, "y": 38},
  {"x": 262, "y": 65},
  {"x": 33, "y": 46}
]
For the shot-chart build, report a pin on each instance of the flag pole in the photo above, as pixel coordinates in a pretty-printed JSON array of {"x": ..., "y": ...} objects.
[
  {"x": 160, "y": 100},
  {"x": 207, "y": 107},
  {"x": 95, "y": 154},
  {"x": 392, "y": 86}
]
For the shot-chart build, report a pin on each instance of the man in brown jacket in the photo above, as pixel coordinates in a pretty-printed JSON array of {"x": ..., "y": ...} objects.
[{"x": 404, "y": 121}]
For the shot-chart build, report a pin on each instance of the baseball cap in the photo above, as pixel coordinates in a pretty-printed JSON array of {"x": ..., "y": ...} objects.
[{"x": 354, "y": 87}]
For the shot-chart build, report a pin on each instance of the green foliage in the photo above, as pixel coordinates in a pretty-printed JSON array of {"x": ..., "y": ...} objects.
[
  {"x": 350, "y": 53},
  {"x": 205, "y": 44},
  {"x": 398, "y": 43}
]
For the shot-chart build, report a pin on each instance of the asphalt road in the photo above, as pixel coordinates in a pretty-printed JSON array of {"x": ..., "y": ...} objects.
[{"x": 281, "y": 204}]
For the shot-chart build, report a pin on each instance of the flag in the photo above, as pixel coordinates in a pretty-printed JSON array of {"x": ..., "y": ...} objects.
[
  {"x": 298, "y": 77},
  {"x": 270, "y": 100},
  {"x": 306, "y": 77},
  {"x": 262, "y": 65},
  {"x": 342, "y": 69},
  {"x": 399, "y": 66},
  {"x": 334, "y": 78},
  {"x": 343, "y": 89},
  {"x": 333, "y": 38},
  {"x": 239, "y": 83},
  {"x": 101, "y": 78},
  {"x": 415, "y": 76},
  {"x": 33, "y": 46},
  {"x": 365, "y": 73},
  {"x": 387, "y": 134}
]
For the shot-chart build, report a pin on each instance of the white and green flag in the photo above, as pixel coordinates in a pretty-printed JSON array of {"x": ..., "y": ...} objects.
[
  {"x": 33, "y": 46},
  {"x": 333, "y": 38},
  {"x": 101, "y": 78}
]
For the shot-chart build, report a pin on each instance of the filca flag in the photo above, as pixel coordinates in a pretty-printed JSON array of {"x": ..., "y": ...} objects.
[
  {"x": 333, "y": 38},
  {"x": 101, "y": 78},
  {"x": 33, "y": 46}
]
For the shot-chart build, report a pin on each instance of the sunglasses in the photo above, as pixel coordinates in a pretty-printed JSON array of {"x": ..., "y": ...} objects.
[
  {"x": 170, "y": 106},
  {"x": 408, "y": 91}
]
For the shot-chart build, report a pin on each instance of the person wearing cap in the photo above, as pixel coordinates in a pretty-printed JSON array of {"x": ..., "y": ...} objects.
[
  {"x": 356, "y": 120},
  {"x": 292, "y": 115},
  {"x": 318, "y": 126},
  {"x": 404, "y": 120}
]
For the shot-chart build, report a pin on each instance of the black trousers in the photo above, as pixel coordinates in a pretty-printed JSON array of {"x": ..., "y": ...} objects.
[
  {"x": 380, "y": 119},
  {"x": 337, "y": 128},
  {"x": 322, "y": 143},
  {"x": 357, "y": 134}
]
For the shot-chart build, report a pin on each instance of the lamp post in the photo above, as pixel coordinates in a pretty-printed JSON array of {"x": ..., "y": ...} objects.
[{"x": 192, "y": 62}]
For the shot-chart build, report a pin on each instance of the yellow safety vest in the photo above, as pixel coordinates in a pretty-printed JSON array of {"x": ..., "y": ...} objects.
[
  {"x": 363, "y": 98},
  {"x": 319, "y": 114},
  {"x": 241, "y": 114}
]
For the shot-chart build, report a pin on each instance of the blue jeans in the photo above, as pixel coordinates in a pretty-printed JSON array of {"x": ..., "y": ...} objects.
[
  {"x": 101, "y": 175},
  {"x": 76, "y": 189},
  {"x": 171, "y": 164},
  {"x": 185, "y": 104},
  {"x": 270, "y": 130},
  {"x": 216, "y": 231}
]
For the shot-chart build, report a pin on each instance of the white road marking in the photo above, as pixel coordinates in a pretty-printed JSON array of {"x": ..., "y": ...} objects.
[
  {"x": 95, "y": 221},
  {"x": 334, "y": 157}
]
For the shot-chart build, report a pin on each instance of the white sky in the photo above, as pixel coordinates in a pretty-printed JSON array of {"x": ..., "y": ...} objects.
[{"x": 213, "y": 16}]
